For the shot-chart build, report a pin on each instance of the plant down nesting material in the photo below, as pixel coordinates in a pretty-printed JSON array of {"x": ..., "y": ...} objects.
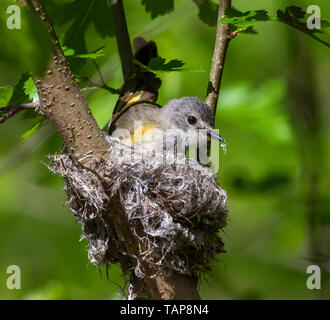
[{"x": 174, "y": 208}]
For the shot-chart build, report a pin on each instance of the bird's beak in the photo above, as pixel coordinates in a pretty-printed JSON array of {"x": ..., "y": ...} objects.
[{"x": 213, "y": 135}]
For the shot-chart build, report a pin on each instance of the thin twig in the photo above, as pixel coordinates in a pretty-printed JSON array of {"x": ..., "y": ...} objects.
[
  {"x": 91, "y": 84},
  {"x": 103, "y": 83},
  {"x": 221, "y": 44},
  {"x": 123, "y": 40},
  {"x": 12, "y": 110},
  {"x": 100, "y": 73}
]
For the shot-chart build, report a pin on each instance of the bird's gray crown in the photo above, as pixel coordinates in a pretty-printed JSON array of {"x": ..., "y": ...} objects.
[{"x": 176, "y": 111}]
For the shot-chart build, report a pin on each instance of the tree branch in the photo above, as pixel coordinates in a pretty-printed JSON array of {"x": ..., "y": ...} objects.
[
  {"x": 123, "y": 40},
  {"x": 12, "y": 110},
  {"x": 62, "y": 102},
  {"x": 221, "y": 44}
]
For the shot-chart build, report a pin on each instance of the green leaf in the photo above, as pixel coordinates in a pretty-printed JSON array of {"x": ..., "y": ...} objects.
[
  {"x": 27, "y": 49},
  {"x": 76, "y": 61},
  {"x": 91, "y": 55},
  {"x": 5, "y": 95},
  {"x": 33, "y": 129},
  {"x": 19, "y": 96},
  {"x": 325, "y": 26},
  {"x": 68, "y": 52},
  {"x": 30, "y": 89},
  {"x": 293, "y": 16},
  {"x": 158, "y": 7},
  {"x": 159, "y": 65},
  {"x": 24, "y": 91},
  {"x": 208, "y": 11},
  {"x": 244, "y": 21}
]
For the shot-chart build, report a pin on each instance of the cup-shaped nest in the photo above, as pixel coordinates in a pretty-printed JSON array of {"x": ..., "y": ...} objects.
[{"x": 174, "y": 209}]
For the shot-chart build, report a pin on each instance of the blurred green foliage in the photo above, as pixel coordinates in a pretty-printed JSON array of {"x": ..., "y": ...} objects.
[
  {"x": 34, "y": 42},
  {"x": 267, "y": 237}
]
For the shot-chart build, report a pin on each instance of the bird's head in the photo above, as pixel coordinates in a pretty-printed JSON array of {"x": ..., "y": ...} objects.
[{"x": 189, "y": 113}]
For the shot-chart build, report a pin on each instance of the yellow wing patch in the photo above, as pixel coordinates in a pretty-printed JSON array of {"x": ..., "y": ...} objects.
[
  {"x": 140, "y": 132},
  {"x": 134, "y": 99}
]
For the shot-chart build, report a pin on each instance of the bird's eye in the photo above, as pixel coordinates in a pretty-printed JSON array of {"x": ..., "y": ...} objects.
[{"x": 192, "y": 119}]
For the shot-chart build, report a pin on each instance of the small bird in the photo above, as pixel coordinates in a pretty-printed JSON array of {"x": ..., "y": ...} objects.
[{"x": 184, "y": 117}]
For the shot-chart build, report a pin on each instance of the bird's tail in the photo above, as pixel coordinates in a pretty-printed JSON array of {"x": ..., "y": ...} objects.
[
  {"x": 144, "y": 50},
  {"x": 144, "y": 87}
]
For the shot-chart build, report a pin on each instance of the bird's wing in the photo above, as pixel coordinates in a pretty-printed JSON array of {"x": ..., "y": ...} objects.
[{"x": 146, "y": 113}]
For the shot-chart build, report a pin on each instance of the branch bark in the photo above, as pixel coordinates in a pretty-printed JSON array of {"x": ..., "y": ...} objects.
[
  {"x": 62, "y": 102},
  {"x": 12, "y": 110},
  {"x": 223, "y": 37},
  {"x": 123, "y": 40}
]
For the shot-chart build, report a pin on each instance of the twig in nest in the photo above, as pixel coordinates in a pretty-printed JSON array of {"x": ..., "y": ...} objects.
[{"x": 173, "y": 214}]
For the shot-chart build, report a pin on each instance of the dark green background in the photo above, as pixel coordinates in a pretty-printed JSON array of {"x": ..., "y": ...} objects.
[{"x": 264, "y": 170}]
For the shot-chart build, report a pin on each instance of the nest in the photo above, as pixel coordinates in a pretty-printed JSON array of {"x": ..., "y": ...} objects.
[{"x": 174, "y": 209}]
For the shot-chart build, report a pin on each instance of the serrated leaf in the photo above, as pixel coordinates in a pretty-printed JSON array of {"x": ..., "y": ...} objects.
[
  {"x": 23, "y": 92},
  {"x": 296, "y": 17},
  {"x": 244, "y": 21},
  {"x": 70, "y": 53},
  {"x": 19, "y": 96},
  {"x": 293, "y": 16},
  {"x": 91, "y": 55},
  {"x": 5, "y": 95},
  {"x": 33, "y": 129},
  {"x": 292, "y": 13},
  {"x": 26, "y": 49},
  {"x": 159, "y": 66},
  {"x": 158, "y": 7},
  {"x": 208, "y": 11},
  {"x": 30, "y": 89}
]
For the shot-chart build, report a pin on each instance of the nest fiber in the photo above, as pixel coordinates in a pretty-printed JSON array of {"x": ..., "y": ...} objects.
[{"x": 173, "y": 209}]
